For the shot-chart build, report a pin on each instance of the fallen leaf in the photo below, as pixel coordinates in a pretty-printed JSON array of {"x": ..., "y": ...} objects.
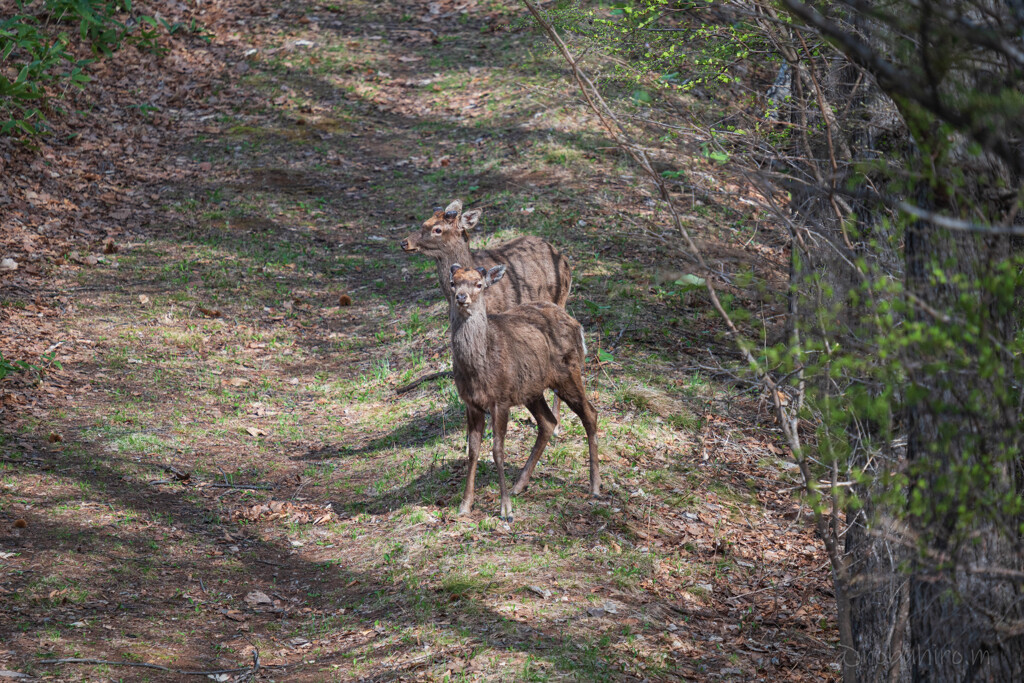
[
  {"x": 211, "y": 312},
  {"x": 238, "y": 381},
  {"x": 255, "y": 598},
  {"x": 542, "y": 592},
  {"x": 143, "y": 299},
  {"x": 255, "y": 431},
  {"x": 8, "y": 264}
]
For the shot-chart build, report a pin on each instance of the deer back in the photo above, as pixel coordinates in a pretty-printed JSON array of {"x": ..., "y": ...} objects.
[{"x": 535, "y": 272}]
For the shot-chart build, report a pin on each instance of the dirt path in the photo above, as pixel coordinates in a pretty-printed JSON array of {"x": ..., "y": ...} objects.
[{"x": 223, "y": 467}]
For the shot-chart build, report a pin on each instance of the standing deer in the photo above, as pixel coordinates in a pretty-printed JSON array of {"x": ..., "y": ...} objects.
[
  {"x": 535, "y": 270},
  {"x": 509, "y": 359}
]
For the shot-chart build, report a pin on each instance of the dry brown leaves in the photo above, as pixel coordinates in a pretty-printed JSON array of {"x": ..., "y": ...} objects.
[{"x": 276, "y": 510}]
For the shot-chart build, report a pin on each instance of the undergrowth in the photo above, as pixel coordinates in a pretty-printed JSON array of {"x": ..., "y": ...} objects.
[{"x": 39, "y": 48}]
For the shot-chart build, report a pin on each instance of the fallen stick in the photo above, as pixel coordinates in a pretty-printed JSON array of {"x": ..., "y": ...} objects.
[
  {"x": 144, "y": 665},
  {"x": 272, "y": 564},
  {"x": 425, "y": 378},
  {"x": 254, "y": 487}
]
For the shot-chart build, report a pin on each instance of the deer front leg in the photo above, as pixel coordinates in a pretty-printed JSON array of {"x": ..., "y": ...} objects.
[
  {"x": 474, "y": 433},
  {"x": 499, "y": 423},
  {"x": 575, "y": 397}
]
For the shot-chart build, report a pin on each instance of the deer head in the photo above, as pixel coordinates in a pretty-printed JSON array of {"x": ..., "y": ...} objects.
[
  {"x": 468, "y": 284},
  {"x": 442, "y": 228}
]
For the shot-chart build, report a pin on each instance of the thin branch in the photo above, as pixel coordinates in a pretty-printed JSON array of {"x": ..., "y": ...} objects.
[
  {"x": 899, "y": 83},
  {"x": 958, "y": 224}
]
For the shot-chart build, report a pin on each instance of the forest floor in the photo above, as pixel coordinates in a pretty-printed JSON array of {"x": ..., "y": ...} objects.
[{"x": 220, "y": 468}]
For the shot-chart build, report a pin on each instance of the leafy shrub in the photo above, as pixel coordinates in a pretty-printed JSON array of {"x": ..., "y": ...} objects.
[
  {"x": 30, "y": 62},
  {"x": 37, "y": 63},
  {"x": 8, "y": 367}
]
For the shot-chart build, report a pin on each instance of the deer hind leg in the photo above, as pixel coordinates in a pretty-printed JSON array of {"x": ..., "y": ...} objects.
[
  {"x": 556, "y": 409},
  {"x": 574, "y": 396},
  {"x": 474, "y": 434},
  {"x": 546, "y": 424},
  {"x": 499, "y": 424}
]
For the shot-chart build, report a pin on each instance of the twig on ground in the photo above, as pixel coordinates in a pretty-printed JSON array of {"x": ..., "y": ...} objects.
[
  {"x": 178, "y": 474},
  {"x": 144, "y": 665},
  {"x": 22, "y": 460},
  {"x": 272, "y": 564},
  {"x": 253, "y": 487},
  {"x": 425, "y": 378}
]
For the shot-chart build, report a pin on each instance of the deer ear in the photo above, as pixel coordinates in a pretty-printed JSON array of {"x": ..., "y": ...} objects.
[
  {"x": 469, "y": 220},
  {"x": 495, "y": 274},
  {"x": 455, "y": 266},
  {"x": 453, "y": 209}
]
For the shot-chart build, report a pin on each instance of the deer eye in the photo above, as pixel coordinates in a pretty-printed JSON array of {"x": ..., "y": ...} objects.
[
  {"x": 452, "y": 283},
  {"x": 437, "y": 231},
  {"x": 479, "y": 285}
]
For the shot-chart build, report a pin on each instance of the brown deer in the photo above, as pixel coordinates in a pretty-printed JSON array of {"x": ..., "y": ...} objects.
[
  {"x": 509, "y": 359},
  {"x": 535, "y": 270}
]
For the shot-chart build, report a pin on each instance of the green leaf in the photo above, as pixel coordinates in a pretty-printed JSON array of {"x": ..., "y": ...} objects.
[
  {"x": 641, "y": 97},
  {"x": 690, "y": 282},
  {"x": 604, "y": 356}
]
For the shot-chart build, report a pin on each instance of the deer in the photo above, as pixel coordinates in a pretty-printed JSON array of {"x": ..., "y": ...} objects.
[
  {"x": 509, "y": 359},
  {"x": 535, "y": 270}
]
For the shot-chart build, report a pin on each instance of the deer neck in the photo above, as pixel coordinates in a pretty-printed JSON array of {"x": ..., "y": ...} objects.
[
  {"x": 458, "y": 253},
  {"x": 469, "y": 341}
]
